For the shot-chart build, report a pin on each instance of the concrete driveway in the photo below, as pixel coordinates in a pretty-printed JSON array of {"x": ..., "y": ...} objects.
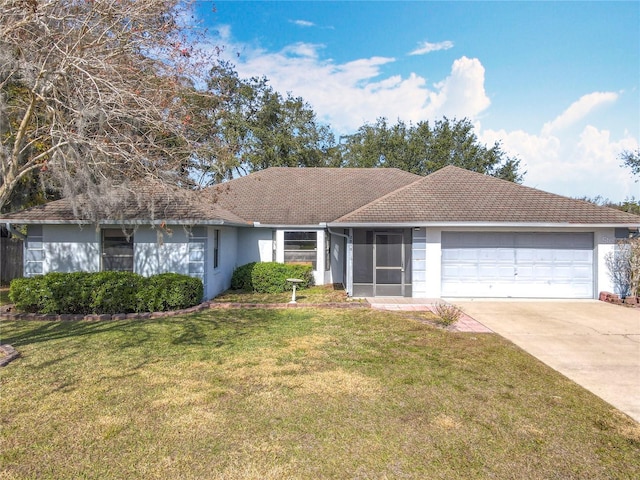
[{"x": 595, "y": 344}]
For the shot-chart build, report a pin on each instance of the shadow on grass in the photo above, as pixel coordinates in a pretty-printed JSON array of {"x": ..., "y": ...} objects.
[
  {"x": 217, "y": 329},
  {"x": 33, "y": 332}
]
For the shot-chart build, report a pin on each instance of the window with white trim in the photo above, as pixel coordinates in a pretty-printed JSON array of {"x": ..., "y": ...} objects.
[
  {"x": 198, "y": 254},
  {"x": 301, "y": 247},
  {"x": 117, "y": 250},
  {"x": 34, "y": 252}
]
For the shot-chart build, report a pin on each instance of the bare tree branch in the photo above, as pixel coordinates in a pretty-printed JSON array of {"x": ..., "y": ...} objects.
[{"x": 97, "y": 92}]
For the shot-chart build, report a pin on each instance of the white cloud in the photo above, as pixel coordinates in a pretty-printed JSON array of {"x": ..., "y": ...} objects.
[
  {"x": 567, "y": 161},
  {"x": 347, "y": 95},
  {"x": 303, "y": 23},
  {"x": 427, "y": 47},
  {"x": 303, "y": 49},
  {"x": 579, "y": 110},
  {"x": 462, "y": 93},
  {"x": 586, "y": 164},
  {"x": 572, "y": 162}
]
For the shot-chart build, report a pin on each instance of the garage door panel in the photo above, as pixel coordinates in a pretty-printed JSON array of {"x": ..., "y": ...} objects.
[
  {"x": 585, "y": 256},
  {"x": 563, "y": 273},
  {"x": 583, "y": 274},
  {"x": 536, "y": 265}
]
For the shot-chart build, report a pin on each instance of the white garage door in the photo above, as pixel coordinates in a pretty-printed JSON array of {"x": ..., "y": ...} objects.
[{"x": 519, "y": 265}]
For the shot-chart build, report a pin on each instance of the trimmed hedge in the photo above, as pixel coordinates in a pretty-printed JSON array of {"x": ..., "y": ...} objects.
[
  {"x": 270, "y": 277},
  {"x": 241, "y": 278},
  {"x": 169, "y": 291},
  {"x": 104, "y": 292}
]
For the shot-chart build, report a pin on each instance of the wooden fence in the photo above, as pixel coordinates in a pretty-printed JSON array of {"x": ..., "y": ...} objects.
[{"x": 10, "y": 259}]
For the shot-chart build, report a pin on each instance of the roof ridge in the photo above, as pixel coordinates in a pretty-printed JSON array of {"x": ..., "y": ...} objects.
[
  {"x": 377, "y": 169},
  {"x": 401, "y": 189},
  {"x": 537, "y": 190},
  {"x": 380, "y": 199},
  {"x": 458, "y": 188}
]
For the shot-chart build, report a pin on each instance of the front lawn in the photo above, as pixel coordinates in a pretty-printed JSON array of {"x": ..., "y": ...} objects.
[
  {"x": 295, "y": 394},
  {"x": 317, "y": 294}
]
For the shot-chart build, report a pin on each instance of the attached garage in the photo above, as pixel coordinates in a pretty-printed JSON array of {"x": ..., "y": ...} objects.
[{"x": 519, "y": 265}]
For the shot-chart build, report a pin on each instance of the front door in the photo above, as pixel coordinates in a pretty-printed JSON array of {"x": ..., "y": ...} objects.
[{"x": 388, "y": 265}]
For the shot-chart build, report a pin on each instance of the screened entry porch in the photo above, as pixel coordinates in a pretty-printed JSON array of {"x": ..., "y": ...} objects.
[{"x": 382, "y": 263}]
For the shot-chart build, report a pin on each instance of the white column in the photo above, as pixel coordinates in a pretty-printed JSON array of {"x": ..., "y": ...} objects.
[
  {"x": 433, "y": 261},
  {"x": 605, "y": 243},
  {"x": 320, "y": 258},
  {"x": 280, "y": 246}
]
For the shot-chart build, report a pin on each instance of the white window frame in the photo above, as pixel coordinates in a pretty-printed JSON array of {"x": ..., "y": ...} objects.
[
  {"x": 128, "y": 235},
  {"x": 286, "y": 250}
]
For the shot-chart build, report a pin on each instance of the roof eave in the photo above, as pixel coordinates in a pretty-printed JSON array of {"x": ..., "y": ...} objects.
[
  {"x": 126, "y": 222},
  {"x": 455, "y": 224},
  {"x": 293, "y": 226}
]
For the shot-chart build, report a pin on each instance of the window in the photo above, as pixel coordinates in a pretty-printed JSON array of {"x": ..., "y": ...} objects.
[
  {"x": 216, "y": 243},
  {"x": 301, "y": 247},
  {"x": 198, "y": 254},
  {"x": 327, "y": 251},
  {"x": 34, "y": 252},
  {"x": 117, "y": 250}
]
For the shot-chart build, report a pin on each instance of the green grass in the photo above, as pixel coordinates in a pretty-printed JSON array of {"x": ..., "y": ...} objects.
[
  {"x": 4, "y": 296},
  {"x": 295, "y": 394},
  {"x": 317, "y": 294}
]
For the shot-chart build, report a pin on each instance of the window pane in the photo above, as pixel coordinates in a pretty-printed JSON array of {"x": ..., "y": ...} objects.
[
  {"x": 301, "y": 256},
  {"x": 117, "y": 250},
  {"x": 216, "y": 253},
  {"x": 35, "y": 255},
  {"x": 300, "y": 247},
  {"x": 124, "y": 264},
  {"x": 300, "y": 236}
]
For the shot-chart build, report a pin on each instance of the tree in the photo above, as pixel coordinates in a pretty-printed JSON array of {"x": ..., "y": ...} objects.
[
  {"x": 259, "y": 128},
  {"x": 95, "y": 93},
  {"x": 629, "y": 205},
  {"x": 424, "y": 148},
  {"x": 623, "y": 264},
  {"x": 631, "y": 159}
]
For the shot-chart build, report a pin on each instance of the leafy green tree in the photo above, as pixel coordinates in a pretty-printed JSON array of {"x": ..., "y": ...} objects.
[
  {"x": 256, "y": 127},
  {"x": 631, "y": 159},
  {"x": 629, "y": 205},
  {"x": 424, "y": 148}
]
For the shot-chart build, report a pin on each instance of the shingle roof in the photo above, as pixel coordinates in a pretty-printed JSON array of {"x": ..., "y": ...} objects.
[
  {"x": 160, "y": 203},
  {"x": 309, "y": 196},
  {"x": 306, "y": 196},
  {"x": 453, "y": 194}
]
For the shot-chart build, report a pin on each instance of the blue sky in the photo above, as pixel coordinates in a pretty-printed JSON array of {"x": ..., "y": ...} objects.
[{"x": 555, "y": 82}]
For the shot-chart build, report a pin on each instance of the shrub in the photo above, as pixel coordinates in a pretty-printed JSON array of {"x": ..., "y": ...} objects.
[
  {"x": 68, "y": 293},
  {"x": 115, "y": 292},
  {"x": 448, "y": 314},
  {"x": 241, "y": 278},
  {"x": 104, "y": 292},
  {"x": 169, "y": 291},
  {"x": 52, "y": 293},
  {"x": 26, "y": 293},
  {"x": 271, "y": 277}
]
